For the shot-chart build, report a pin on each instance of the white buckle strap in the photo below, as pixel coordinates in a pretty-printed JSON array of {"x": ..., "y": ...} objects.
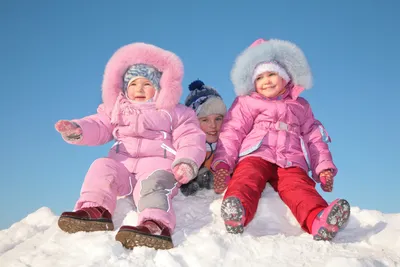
[{"x": 281, "y": 126}]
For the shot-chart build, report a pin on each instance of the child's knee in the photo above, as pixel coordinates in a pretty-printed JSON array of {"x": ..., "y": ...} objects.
[{"x": 156, "y": 191}]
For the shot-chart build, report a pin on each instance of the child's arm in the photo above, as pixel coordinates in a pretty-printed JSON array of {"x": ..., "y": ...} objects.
[
  {"x": 316, "y": 139},
  {"x": 236, "y": 125},
  {"x": 96, "y": 129},
  {"x": 188, "y": 139}
]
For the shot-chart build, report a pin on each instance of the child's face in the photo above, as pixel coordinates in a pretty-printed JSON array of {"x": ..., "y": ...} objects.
[
  {"x": 211, "y": 125},
  {"x": 141, "y": 90},
  {"x": 269, "y": 84}
]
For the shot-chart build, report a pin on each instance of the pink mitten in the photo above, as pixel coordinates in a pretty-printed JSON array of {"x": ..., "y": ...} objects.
[
  {"x": 221, "y": 177},
  {"x": 70, "y": 131},
  {"x": 183, "y": 173},
  {"x": 326, "y": 177}
]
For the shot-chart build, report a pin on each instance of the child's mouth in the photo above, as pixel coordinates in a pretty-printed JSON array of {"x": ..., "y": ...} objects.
[
  {"x": 140, "y": 98},
  {"x": 269, "y": 87}
]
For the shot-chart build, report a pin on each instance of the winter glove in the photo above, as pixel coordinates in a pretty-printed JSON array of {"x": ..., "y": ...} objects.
[
  {"x": 183, "y": 173},
  {"x": 221, "y": 177},
  {"x": 70, "y": 131},
  {"x": 190, "y": 188},
  {"x": 326, "y": 178},
  {"x": 204, "y": 179}
]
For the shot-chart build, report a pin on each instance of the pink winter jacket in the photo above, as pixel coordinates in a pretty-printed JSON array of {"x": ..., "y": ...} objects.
[
  {"x": 280, "y": 131},
  {"x": 154, "y": 129},
  {"x": 144, "y": 131}
]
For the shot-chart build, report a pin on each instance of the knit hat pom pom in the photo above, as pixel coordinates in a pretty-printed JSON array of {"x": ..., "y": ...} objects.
[{"x": 196, "y": 85}]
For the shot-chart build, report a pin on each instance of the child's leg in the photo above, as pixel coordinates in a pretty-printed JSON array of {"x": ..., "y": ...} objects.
[
  {"x": 298, "y": 192},
  {"x": 152, "y": 195},
  {"x": 104, "y": 181},
  {"x": 244, "y": 191}
]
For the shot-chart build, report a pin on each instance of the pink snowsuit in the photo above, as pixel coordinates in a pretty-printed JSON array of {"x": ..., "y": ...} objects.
[{"x": 147, "y": 136}]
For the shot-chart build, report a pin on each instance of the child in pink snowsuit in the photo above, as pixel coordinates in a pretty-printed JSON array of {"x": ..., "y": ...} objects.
[
  {"x": 270, "y": 135},
  {"x": 158, "y": 146}
]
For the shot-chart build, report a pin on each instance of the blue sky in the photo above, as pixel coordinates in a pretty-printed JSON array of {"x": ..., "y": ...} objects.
[{"x": 53, "y": 55}]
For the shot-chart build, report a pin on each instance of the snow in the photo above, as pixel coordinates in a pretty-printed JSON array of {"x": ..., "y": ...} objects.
[{"x": 274, "y": 238}]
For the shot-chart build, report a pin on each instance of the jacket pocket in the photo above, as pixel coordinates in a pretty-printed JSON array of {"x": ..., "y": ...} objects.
[{"x": 252, "y": 148}]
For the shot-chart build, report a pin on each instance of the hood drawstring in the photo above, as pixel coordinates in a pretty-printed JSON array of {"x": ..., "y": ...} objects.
[{"x": 116, "y": 109}]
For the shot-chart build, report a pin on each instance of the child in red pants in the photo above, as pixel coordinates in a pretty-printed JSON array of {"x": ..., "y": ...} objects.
[{"x": 273, "y": 134}]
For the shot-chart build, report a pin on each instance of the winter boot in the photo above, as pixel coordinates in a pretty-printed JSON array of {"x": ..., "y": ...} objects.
[
  {"x": 149, "y": 234},
  {"x": 233, "y": 214},
  {"x": 330, "y": 220},
  {"x": 87, "y": 220}
]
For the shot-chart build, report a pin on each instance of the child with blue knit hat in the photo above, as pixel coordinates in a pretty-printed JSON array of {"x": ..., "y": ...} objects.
[
  {"x": 150, "y": 75},
  {"x": 158, "y": 145},
  {"x": 210, "y": 110}
]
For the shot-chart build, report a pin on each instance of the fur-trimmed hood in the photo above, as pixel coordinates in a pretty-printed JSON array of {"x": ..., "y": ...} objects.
[
  {"x": 165, "y": 61},
  {"x": 286, "y": 54}
]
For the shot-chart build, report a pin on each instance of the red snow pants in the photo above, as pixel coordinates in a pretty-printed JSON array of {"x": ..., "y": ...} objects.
[{"x": 293, "y": 185}]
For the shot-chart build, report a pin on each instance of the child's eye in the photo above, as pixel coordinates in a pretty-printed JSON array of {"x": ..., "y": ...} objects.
[
  {"x": 272, "y": 74},
  {"x": 219, "y": 119},
  {"x": 258, "y": 78}
]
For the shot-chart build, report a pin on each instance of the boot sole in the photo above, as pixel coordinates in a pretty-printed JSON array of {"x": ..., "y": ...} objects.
[
  {"x": 232, "y": 214},
  {"x": 131, "y": 239},
  {"x": 338, "y": 216},
  {"x": 73, "y": 225}
]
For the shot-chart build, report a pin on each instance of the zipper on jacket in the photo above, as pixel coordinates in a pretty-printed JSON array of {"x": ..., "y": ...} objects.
[
  {"x": 137, "y": 112},
  {"x": 138, "y": 147}
]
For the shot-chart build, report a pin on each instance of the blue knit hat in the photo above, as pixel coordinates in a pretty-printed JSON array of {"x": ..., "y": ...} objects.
[
  {"x": 204, "y": 99},
  {"x": 142, "y": 70}
]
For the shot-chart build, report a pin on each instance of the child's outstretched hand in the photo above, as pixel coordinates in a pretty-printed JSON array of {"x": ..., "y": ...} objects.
[
  {"x": 183, "y": 173},
  {"x": 326, "y": 177},
  {"x": 70, "y": 131},
  {"x": 221, "y": 177}
]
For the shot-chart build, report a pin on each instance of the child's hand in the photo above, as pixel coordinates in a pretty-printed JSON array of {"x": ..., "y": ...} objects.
[
  {"x": 183, "y": 173},
  {"x": 221, "y": 177},
  {"x": 70, "y": 131},
  {"x": 326, "y": 177}
]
